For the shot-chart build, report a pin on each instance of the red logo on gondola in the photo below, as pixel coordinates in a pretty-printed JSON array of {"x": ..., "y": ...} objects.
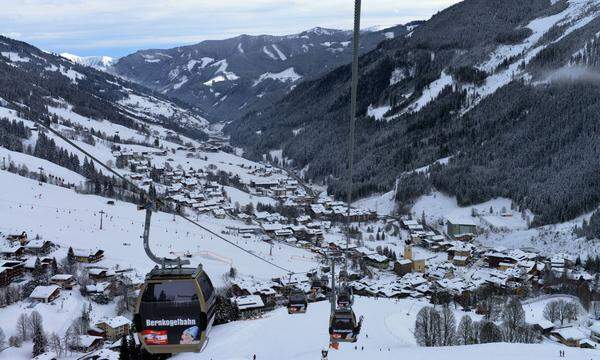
[{"x": 154, "y": 337}]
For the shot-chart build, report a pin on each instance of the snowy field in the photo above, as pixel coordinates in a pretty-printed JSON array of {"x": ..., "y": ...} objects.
[{"x": 387, "y": 334}]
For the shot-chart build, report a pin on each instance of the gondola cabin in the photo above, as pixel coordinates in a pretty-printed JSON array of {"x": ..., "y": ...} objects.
[
  {"x": 175, "y": 310},
  {"x": 297, "y": 302},
  {"x": 343, "y": 326},
  {"x": 344, "y": 299}
]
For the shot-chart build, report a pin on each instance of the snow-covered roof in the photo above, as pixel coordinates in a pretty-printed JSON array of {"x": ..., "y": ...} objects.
[
  {"x": 35, "y": 244},
  {"x": 545, "y": 324},
  {"x": 570, "y": 333},
  {"x": 460, "y": 220},
  {"x": 87, "y": 340},
  {"x": 116, "y": 322},
  {"x": 61, "y": 277},
  {"x": 248, "y": 302},
  {"x": 43, "y": 291}
]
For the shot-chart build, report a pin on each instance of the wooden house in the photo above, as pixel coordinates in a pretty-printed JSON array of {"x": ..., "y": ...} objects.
[
  {"x": 115, "y": 328},
  {"x": 10, "y": 270},
  {"x": 65, "y": 281},
  {"x": 22, "y": 239},
  {"x": 14, "y": 251},
  {"x": 403, "y": 267},
  {"x": 88, "y": 256},
  {"x": 38, "y": 247},
  {"x": 45, "y": 293},
  {"x": 86, "y": 343}
]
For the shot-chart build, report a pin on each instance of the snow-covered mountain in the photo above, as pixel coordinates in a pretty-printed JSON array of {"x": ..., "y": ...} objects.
[
  {"x": 97, "y": 62},
  {"x": 505, "y": 88},
  {"x": 43, "y": 85},
  {"x": 226, "y": 78}
]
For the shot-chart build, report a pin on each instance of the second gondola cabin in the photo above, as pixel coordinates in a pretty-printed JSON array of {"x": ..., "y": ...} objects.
[
  {"x": 297, "y": 302},
  {"x": 175, "y": 311}
]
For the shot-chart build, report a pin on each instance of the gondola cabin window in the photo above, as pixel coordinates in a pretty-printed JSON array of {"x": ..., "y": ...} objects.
[
  {"x": 179, "y": 291},
  {"x": 206, "y": 286}
]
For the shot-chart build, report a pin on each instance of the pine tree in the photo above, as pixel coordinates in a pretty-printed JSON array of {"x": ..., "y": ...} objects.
[
  {"x": 133, "y": 348},
  {"x": 40, "y": 342},
  {"x": 71, "y": 256},
  {"x": 124, "y": 349}
]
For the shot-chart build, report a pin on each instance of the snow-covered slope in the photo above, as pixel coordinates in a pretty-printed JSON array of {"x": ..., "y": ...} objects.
[
  {"x": 386, "y": 335},
  {"x": 54, "y": 82}
]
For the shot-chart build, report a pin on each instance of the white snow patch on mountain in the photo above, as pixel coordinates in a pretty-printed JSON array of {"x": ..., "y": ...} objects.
[
  {"x": 240, "y": 48},
  {"x": 71, "y": 74},
  {"x": 228, "y": 75},
  {"x": 389, "y": 35},
  {"x": 14, "y": 57},
  {"x": 432, "y": 91},
  {"x": 216, "y": 79},
  {"x": 382, "y": 204},
  {"x": 379, "y": 112},
  {"x": 287, "y": 75},
  {"x": 190, "y": 65},
  {"x": 182, "y": 81},
  {"x": 205, "y": 61},
  {"x": 397, "y": 75},
  {"x": 281, "y": 55},
  {"x": 269, "y": 53}
]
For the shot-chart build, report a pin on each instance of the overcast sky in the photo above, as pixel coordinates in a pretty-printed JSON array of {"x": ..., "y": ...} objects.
[{"x": 119, "y": 27}]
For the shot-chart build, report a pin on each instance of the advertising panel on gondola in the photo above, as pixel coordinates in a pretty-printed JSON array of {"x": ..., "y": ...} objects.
[
  {"x": 171, "y": 315},
  {"x": 172, "y": 324}
]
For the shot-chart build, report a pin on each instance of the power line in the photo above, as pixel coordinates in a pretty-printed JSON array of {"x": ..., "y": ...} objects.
[{"x": 144, "y": 193}]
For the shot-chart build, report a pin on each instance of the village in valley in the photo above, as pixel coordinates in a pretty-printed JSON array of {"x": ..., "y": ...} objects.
[{"x": 413, "y": 258}]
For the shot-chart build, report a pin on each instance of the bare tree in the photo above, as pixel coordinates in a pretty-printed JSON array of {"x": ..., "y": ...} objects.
[
  {"x": 570, "y": 312},
  {"x": 55, "y": 344},
  {"x": 552, "y": 311},
  {"x": 447, "y": 327},
  {"x": 427, "y": 327},
  {"x": 15, "y": 341},
  {"x": 561, "y": 310},
  {"x": 465, "y": 334},
  {"x": 23, "y": 327},
  {"x": 34, "y": 321},
  {"x": 513, "y": 320}
]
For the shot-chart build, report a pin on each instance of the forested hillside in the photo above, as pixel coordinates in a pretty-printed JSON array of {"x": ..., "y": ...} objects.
[
  {"x": 505, "y": 88},
  {"x": 38, "y": 84}
]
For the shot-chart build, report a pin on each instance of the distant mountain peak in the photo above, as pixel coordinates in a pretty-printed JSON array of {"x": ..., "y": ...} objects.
[{"x": 98, "y": 62}]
